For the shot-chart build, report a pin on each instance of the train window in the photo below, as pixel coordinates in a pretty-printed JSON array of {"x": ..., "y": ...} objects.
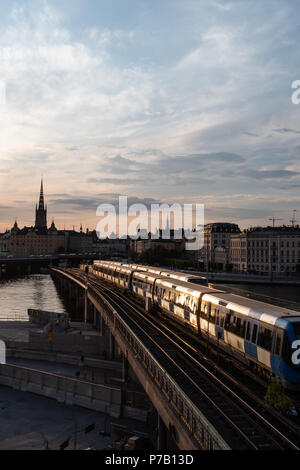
[
  {"x": 180, "y": 299},
  {"x": 277, "y": 347},
  {"x": 248, "y": 331},
  {"x": 206, "y": 309},
  {"x": 187, "y": 303},
  {"x": 265, "y": 338},
  {"x": 166, "y": 294},
  {"x": 238, "y": 326},
  {"x": 194, "y": 305},
  {"x": 227, "y": 321},
  {"x": 254, "y": 334}
]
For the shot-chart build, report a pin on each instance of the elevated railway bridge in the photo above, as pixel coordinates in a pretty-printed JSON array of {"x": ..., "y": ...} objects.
[{"x": 196, "y": 408}]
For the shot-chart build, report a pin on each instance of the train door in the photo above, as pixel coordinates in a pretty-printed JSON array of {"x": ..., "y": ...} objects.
[
  {"x": 220, "y": 317},
  {"x": 276, "y": 355},
  {"x": 251, "y": 332},
  {"x": 199, "y": 314},
  {"x": 130, "y": 287}
]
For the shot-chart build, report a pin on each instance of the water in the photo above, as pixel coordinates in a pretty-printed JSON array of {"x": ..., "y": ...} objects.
[
  {"x": 288, "y": 296},
  {"x": 38, "y": 291},
  {"x": 35, "y": 291}
]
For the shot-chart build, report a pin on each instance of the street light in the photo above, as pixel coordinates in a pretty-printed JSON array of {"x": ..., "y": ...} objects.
[{"x": 85, "y": 293}]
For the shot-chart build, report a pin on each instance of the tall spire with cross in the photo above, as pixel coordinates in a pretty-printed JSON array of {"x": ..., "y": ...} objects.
[{"x": 41, "y": 211}]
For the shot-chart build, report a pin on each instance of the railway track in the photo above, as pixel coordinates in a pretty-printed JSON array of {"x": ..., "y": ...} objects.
[{"x": 240, "y": 424}]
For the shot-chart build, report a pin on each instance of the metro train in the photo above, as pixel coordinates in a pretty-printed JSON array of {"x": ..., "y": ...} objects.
[
  {"x": 162, "y": 272},
  {"x": 257, "y": 334}
]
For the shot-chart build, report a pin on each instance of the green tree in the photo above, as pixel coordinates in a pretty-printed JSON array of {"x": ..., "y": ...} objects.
[{"x": 276, "y": 397}]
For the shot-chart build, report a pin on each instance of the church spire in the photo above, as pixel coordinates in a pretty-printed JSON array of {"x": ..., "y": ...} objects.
[
  {"x": 41, "y": 211},
  {"x": 41, "y": 203}
]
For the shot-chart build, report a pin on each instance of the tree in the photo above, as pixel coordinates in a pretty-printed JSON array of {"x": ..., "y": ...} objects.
[{"x": 276, "y": 397}]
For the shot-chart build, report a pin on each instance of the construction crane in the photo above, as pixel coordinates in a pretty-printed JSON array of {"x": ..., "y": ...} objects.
[
  {"x": 274, "y": 220},
  {"x": 293, "y": 221}
]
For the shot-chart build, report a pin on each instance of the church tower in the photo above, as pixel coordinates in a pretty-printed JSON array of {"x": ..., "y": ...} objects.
[{"x": 41, "y": 212}]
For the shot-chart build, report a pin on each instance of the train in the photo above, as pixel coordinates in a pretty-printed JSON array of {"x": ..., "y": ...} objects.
[
  {"x": 257, "y": 334},
  {"x": 162, "y": 272}
]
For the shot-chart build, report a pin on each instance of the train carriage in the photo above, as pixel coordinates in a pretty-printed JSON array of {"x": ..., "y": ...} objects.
[
  {"x": 143, "y": 284},
  {"x": 259, "y": 334},
  {"x": 179, "y": 299},
  {"x": 168, "y": 273},
  {"x": 256, "y": 333}
]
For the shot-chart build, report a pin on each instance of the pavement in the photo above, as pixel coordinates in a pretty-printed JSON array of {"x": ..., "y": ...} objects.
[{"x": 28, "y": 421}]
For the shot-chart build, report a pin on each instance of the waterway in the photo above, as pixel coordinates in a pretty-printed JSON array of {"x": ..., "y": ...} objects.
[
  {"x": 19, "y": 294},
  {"x": 39, "y": 291},
  {"x": 287, "y": 295}
]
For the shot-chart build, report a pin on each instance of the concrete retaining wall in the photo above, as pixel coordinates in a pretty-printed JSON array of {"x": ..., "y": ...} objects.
[
  {"x": 61, "y": 342},
  {"x": 63, "y": 359},
  {"x": 41, "y": 318},
  {"x": 63, "y": 389}
]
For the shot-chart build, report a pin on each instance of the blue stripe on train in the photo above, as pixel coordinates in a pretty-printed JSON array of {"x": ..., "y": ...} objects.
[
  {"x": 276, "y": 364},
  {"x": 219, "y": 332},
  {"x": 187, "y": 315},
  {"x": 251, "y": 349}
]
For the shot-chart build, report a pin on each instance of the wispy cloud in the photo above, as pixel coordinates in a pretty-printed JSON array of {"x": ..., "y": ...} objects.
[{"x": 160, "y": 100}]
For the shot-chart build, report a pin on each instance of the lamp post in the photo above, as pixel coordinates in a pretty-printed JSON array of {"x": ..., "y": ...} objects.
[{"x": 85, "y": 293}]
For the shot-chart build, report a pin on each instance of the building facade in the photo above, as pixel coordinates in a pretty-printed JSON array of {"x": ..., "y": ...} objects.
[
  {"x": 266, "y": 250},
  {"x": 217, "y": 240}
]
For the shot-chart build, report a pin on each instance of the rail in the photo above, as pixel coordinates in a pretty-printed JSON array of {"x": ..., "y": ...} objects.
[{"x": 190, "y": 416}]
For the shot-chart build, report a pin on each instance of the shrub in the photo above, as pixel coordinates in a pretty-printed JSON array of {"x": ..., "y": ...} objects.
[{"x": 276, "y": 397}]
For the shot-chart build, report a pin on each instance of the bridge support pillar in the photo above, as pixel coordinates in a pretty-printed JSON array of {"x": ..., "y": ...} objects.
[
  {"x": 102, "y": 326},
  {"x": 161, "y": 434},
  {"x": 94, "y": 316},
  {"x": 111, "y": 346},
  {"x": 85, "y": 306},
  {"x": 125, "y": 368}
]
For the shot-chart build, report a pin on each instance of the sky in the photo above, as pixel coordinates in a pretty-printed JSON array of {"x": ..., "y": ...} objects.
[{"x": 180, "y": 101}]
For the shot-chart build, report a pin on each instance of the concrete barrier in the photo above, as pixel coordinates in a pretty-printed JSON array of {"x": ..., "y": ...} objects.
[
  {"x": 60, "y": 358},
  {"x": 43, "y": 318},
  {"x": 85, "y": 343},
  {"x": 63, "y": 389}
]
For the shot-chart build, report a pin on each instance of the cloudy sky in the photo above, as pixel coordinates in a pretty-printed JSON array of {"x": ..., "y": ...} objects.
[{"x": 174, "y": 100}]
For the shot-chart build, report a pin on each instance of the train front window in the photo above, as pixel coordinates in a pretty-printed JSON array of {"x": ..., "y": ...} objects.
[{"x": 297, "y": 330}]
